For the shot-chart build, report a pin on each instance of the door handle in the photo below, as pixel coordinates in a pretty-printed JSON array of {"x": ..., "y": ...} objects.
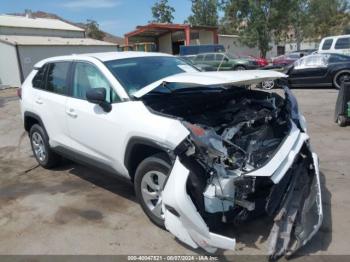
[
  {"x": 39, "y": 101},
  {"x": 71, "y": 112}
]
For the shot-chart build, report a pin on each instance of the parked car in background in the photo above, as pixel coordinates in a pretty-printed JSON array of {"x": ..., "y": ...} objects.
[
  {"x": 223, "y": 62},
  {"x": 188, "y": 58},
  {"x": 335, "y": 44},
  {"x": 259, "y": 60},
  {"x": 304, "y": 52},
  {"x": 317, "y": 70},
  {"x": 285, "y": 60},
  {"x": 199, "y": 49}
]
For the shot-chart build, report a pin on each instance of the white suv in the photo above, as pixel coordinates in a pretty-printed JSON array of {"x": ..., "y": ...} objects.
[{"x": 201, "y": 148}]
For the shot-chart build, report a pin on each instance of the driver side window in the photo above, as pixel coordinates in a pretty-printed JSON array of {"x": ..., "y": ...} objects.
[{"x": 87, "y": 76}]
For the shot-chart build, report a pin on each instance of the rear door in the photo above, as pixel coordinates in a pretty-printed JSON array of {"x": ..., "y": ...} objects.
[
  {"x": 223, "y": 62},
  {"x": 209, "y": 59},
  {"x": 50, "y": 89}
]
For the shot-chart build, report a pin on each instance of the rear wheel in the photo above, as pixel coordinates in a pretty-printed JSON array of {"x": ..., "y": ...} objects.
[
  {"x": 150, "y": 179},
  {"x": 341, "y": 77},
  {"x": 341, "y": 121},
  {"x": 240, "y": 68},
  {"x": 41, "y": 148}
]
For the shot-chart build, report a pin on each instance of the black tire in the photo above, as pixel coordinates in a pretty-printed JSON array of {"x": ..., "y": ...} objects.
[
  {"x": 51, "y": 159},
  {"x": 342, "y": 121},
  {"x": 156, "y": 163},
  {"x": 239, "y": 68},
  {"x": 339, "y": 78}
]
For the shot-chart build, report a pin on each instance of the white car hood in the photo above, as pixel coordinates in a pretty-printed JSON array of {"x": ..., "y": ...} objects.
[{"x": 246, "y": 77}]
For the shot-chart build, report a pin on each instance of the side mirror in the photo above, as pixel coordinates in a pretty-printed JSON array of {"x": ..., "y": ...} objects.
[{"x": 98, "y": 96}]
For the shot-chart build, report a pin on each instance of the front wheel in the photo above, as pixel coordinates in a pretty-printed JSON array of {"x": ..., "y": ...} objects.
[{"x": 150, "y": 179}]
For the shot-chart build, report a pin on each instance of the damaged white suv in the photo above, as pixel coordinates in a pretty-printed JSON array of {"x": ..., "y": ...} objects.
[{"x": 202, "y": 148}]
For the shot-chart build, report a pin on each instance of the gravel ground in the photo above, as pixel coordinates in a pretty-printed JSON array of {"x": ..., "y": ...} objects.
[{"x": 76, "y": 210}]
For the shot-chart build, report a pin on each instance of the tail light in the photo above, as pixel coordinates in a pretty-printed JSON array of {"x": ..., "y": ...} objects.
[{"x": 19, "y": 92}]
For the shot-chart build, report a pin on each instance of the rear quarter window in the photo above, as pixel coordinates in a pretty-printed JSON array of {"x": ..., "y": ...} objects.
[
  {"x": 209, "y": 57},
  {"x": 199, "y": 58},
  {"x": 327, "y": 44},
  {"x": 342, "y": 43},
  {"x": 39, "y": 78}
]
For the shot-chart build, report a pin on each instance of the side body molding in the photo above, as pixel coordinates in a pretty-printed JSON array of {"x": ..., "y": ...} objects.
[{"x": 185, "y": 222}]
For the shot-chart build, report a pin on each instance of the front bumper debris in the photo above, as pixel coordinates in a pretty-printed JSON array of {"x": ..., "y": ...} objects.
[
  {"x": 300, "y": 214},
  {"x": 297, "y": 217},
  {"x": 181, "y": 216}
]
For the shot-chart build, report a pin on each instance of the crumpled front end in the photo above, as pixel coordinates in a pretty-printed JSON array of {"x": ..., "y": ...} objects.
[
  {"x": 299, "y": 215},
  {"x": 294, "y": 204},
  {"x": 261, "y": 165}
]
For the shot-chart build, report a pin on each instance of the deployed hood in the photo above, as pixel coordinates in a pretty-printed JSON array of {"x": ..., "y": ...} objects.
[{"x": 247, "y": 77}]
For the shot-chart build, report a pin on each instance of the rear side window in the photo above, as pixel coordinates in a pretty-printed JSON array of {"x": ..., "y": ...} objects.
[
  {"x": 342, "y": 43},
  {"x": 199, "y": 58},
  {"x": 294, "y": 56},
  {"x": 39, "y": 79},
  {"x": 219, "y": 57},
  {"x": 210, "y": 57},
  {"x": 327, "y": 44},
  {"x": 57, "y": 77}
]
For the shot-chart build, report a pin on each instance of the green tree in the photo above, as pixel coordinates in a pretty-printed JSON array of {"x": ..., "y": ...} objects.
[
  {"x": 299, "y": 21},
  {"x": 346, "y": 30},
  {"x": 328, "y": 17},
  {"x": 162, "y": 12},
  {"x": 204, "y": 12},
  {"x": 93, "y": 30},
  {"x": 257, "y": 22}
]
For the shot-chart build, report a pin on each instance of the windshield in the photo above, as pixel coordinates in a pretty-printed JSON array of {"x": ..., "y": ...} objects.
[{"x": 138, "y": 72}]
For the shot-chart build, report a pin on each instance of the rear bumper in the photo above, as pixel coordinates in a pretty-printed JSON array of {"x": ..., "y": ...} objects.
[{"x": 183, "y": 220}]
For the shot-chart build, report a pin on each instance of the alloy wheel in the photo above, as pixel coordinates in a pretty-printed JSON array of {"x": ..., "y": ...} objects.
[
  {"x": 39, "y": 146},
  {"x": 152, "y": 185},
  {"x": 268, "y": 85},
  {"x": 342, "y": 78}
]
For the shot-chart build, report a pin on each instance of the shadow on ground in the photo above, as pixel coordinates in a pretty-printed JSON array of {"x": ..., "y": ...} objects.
[
  {"x": 251, "y": 234},
  {"x": 113, "y": 183}
]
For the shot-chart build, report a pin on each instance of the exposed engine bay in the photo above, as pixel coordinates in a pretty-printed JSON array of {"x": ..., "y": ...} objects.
[{"x": 234, "y": 132}]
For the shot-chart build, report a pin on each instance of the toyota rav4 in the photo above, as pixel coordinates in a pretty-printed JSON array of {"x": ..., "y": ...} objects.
[{"x": 202, "y": 148}]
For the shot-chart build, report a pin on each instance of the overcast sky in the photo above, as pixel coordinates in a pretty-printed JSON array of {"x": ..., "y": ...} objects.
[{"x": 114, "y": 16}]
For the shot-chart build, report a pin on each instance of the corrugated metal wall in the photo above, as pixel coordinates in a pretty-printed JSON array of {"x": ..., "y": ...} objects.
[
  {"x": 9, "y": 71},
  {"x": 30, "y": 55}
]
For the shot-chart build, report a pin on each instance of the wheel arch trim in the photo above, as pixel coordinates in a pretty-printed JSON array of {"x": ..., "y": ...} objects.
[
  {"x": 141, "y": 141},
  {"x": 36, "y": 117}
]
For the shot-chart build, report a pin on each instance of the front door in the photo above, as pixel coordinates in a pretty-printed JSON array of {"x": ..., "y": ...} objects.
[
  {"x": 94, "y": 133},
  {"x": 309, "y": 70}
]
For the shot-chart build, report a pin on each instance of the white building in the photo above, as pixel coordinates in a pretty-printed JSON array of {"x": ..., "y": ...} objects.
[
  {"x": 24, "y": 25},
  {"x": 25, "y": 41}
]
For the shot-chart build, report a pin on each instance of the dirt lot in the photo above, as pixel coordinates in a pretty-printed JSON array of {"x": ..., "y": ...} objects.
[{"x": 76, "y": 210}]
